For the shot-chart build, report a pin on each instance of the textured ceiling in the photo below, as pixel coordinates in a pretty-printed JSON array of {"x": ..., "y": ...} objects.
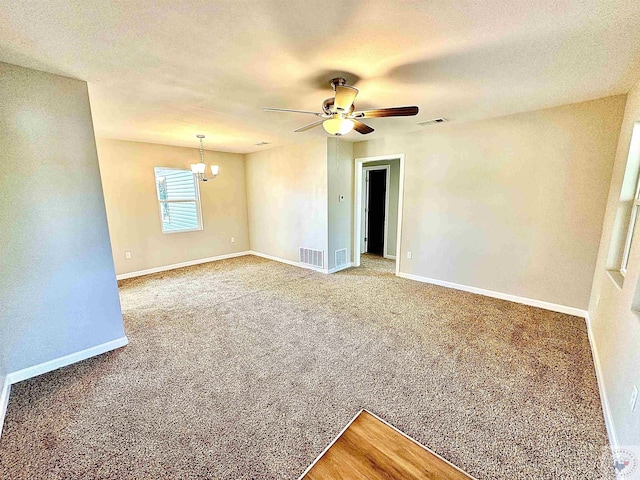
[{"x": 162, "y": 71}]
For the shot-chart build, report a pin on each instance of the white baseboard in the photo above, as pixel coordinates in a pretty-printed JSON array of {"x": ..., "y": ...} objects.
[
  {"x": 34, "y": 371},
  {"x": 5, "y": 390},
  {"x": 339, "y": 269},
  {"x": 298, "y": 264},
  {"x": 288, "y": 262},
  {"x": 390, "y": 257},
  {"x": 502, "y": 296},
  {"x": 164, "y": 268},
  {"x": 606, "y": 409}
]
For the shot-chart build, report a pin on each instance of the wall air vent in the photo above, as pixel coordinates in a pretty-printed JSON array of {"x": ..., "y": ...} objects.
[
  {"x": 433, "y": 121},
  {"x": 311, "y": 257},
  {"x": 341, "y": 258}
]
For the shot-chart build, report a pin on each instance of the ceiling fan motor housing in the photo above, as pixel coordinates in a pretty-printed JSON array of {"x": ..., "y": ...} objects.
[{"x": 337, "y": 82}]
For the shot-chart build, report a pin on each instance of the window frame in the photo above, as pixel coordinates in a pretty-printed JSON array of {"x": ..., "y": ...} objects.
[
  {"x": 196, "y": 199},
  {"x": 632, "y": 224}
]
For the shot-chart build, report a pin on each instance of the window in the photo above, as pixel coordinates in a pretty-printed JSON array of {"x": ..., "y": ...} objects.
[
  {"x": 178, "y": 199},
  {"x": 626, "y": 216},
  {"x": 632, "y": 224}
]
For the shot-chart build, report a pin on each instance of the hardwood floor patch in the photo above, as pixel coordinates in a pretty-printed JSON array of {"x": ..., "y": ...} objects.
[{"x": 371, "y": 449}]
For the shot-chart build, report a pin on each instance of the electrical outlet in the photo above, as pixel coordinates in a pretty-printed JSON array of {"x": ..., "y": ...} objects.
[
  {"x": 233, "y": 239},
  {"x": 634, "y": 397},
  {"x": 408, "y": 254},
  {"x": 127, "y": 255}
]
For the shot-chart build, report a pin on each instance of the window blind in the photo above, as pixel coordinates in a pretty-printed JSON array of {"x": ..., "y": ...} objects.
[{"x": 178, "y": 197}]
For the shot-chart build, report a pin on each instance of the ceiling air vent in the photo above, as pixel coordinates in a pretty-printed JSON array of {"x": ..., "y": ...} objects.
[{"x": 433, "y": 121}]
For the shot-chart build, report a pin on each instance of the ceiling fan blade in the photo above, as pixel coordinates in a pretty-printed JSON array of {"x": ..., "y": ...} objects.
[
  {"x": 388, "y": 112},
  {"x": 345, "y": 96},
  {"x": 267, "y": 109},
  {"x": 310, "y": 126},
  {"x": 362, "y": 128}
]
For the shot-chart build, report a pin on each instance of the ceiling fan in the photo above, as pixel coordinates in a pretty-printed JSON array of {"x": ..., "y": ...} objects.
[{"x": 338, "y": 113}]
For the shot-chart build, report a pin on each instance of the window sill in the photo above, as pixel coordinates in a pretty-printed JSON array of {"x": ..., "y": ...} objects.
[
  {"x": 171, "y": 232},
  {"x": 616, "y": 277}
]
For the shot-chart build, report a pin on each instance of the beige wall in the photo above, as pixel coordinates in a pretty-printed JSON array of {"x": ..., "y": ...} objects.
[
  {"x": 58, "y": 288},
  {"x": 615, "y": 327},
  {"x": 287, "y": 199},
  {"x": 340, "y": 170},
  {"x": 132, "y": 207},
  {"x": 512, "y": 204}
]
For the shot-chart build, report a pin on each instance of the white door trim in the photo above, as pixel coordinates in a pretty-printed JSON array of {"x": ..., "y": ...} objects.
[
  {"x": 387, "y": 169},
  {"x": 358, "y": 205}
]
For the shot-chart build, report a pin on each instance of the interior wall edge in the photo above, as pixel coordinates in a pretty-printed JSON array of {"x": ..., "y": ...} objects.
[{"x": 246, "y": 200}]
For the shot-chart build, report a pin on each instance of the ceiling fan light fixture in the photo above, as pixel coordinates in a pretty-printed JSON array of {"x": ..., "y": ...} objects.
[
  {"x": 338, "y": 126},
  {"x": 198, "y": 167}
]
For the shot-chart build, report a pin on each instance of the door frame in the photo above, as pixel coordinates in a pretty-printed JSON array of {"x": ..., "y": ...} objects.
[
  {"x": 366, "y": 171},
  {"x": 357, "y": 227}
]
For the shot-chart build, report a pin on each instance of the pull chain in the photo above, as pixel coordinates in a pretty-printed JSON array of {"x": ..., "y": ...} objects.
[{"x": 201, "y": 149}]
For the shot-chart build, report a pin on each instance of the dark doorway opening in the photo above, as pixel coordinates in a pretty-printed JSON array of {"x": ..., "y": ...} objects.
[{"x": 376, "y": 181}]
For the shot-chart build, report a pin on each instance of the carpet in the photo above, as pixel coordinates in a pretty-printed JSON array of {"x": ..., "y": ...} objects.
[{"x": 247, "y": 368}]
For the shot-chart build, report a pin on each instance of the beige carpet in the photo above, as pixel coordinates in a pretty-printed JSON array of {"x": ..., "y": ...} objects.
[{"x": 247, "y": 369}]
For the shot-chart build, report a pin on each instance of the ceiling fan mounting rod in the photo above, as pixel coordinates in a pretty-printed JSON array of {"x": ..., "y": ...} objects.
[{"x": 338, "y": 81}]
